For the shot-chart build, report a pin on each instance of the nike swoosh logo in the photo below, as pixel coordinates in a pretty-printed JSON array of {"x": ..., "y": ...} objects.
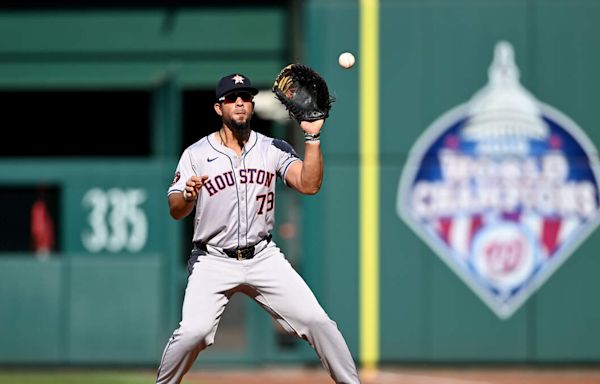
[{"x": 213, "y": 159}]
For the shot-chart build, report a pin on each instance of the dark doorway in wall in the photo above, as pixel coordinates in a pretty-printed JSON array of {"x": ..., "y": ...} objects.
[
  {"x": 29, "y": 219},
  {"x": 57, "y": 123}
]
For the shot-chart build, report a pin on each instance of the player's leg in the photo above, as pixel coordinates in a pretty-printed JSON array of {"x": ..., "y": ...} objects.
[
  {"x": 285, "y": 295},
  {"x": 210, "y": 285}
]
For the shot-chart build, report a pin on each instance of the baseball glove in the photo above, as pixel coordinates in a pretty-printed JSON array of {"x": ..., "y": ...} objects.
[{"x": 303, "y": 92}]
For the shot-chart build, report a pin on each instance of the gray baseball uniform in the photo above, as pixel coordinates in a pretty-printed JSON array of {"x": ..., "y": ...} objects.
[{"x": 233, "y": 252}]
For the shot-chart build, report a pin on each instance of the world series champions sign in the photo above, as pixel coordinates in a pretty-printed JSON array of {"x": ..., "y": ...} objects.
[{"x": 503, "y": 188}]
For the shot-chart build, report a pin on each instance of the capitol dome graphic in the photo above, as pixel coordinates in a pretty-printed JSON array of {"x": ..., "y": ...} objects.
[{"x": 504, "y": 115}]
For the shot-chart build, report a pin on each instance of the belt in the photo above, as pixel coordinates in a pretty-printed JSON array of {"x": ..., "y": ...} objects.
[{"x": 244, "y": 253}]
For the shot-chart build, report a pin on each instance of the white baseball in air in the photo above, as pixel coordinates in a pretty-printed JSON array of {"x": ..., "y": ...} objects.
[{"x": 346, "y": 60}]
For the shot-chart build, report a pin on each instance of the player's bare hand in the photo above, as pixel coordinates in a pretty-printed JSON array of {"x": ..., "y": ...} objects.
[
  {"x": 312, "y": 127},
  {"x": 192, "y": 187}
]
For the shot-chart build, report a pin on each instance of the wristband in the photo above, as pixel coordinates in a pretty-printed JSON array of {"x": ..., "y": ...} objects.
[{"x": 312, "y": 136}]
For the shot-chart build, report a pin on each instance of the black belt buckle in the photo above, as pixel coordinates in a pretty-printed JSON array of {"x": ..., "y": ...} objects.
[{"x": 240, "y": 253}]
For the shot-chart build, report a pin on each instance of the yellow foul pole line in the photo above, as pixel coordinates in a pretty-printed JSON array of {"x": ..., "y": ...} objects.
[{"x": 369, "y": 184}]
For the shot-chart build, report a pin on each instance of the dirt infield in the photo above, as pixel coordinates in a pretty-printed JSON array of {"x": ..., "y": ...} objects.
[
  {"x": 311, "y": 376},
  {"x": 406, "y": 376}
]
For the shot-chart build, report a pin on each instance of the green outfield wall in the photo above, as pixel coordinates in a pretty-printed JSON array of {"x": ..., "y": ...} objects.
[
  {"x": 434, "y": 56},
  {"x": 112, "y": 294}
]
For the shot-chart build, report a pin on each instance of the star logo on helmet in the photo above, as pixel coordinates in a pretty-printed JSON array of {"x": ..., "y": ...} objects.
[{"x": 238, "y": 79}]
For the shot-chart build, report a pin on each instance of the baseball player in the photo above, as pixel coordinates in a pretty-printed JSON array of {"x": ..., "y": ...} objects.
[{"x": 229, "y": 178}]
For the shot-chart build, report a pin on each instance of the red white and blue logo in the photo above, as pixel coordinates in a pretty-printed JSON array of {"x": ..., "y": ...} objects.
[{"x": 503, "y": 188}]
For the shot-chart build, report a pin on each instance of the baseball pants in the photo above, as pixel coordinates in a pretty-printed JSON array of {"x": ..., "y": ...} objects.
[{"x": 272, "y": 282}]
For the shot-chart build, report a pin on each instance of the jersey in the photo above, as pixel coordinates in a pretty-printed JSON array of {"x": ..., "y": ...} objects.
[{"x": 236, "y": 204}]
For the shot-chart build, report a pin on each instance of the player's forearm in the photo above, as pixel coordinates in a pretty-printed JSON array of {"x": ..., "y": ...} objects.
[
  {"x": 179, "y": 207},
  {"x": 311, "y": 176}
]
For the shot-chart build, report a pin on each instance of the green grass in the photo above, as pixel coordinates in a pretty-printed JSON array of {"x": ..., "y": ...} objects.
[{"x": 56, "y": 377}]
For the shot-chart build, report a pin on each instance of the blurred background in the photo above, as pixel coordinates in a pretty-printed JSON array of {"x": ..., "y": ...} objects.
[{"x": 99, "y": 98}]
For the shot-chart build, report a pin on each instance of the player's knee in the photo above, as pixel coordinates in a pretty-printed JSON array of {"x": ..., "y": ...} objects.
[{"x": 197, "y": 336}]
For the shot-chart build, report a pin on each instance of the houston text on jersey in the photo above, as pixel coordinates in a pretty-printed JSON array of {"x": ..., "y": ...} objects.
[{"x": 246, "y": 176}]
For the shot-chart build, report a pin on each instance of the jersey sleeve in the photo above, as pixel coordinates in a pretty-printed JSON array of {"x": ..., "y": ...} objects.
[
  {"x": 284, "y": 156},
  {"x": 185, "y": 170}
]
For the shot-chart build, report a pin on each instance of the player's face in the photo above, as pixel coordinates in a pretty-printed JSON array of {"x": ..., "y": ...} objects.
[{"x": 236, "y": 109}]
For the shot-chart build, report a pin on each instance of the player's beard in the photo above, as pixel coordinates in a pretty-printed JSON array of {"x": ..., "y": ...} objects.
[{"x": 240, "y": 129}]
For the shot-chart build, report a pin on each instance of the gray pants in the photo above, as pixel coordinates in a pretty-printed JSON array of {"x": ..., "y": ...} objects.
[{"x": 273, "y": 283}]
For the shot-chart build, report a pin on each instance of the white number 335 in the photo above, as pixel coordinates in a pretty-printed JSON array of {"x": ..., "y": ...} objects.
[{"x": 116, "y": 220}]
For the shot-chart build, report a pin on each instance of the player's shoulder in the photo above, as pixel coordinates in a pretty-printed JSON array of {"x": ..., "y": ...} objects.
[
  {"x": 275, "y": 144},
  {"x": 283, "y": 146},
  {"x": 199, "y": 145}
]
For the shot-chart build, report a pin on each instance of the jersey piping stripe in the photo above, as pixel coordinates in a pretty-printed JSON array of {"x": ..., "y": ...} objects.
[
  {"x": 286, "y": 168},
  {"x": 238, "y": 199},
  {"x": 236, "y": 186},
  {"x": 246, "y": 195},
  {"x": 192, "y": 163},
  {"x": 253, "y": 135}
]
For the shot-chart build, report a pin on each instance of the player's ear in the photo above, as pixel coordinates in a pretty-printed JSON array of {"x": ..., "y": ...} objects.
[{"x": 218, "y": 109}]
